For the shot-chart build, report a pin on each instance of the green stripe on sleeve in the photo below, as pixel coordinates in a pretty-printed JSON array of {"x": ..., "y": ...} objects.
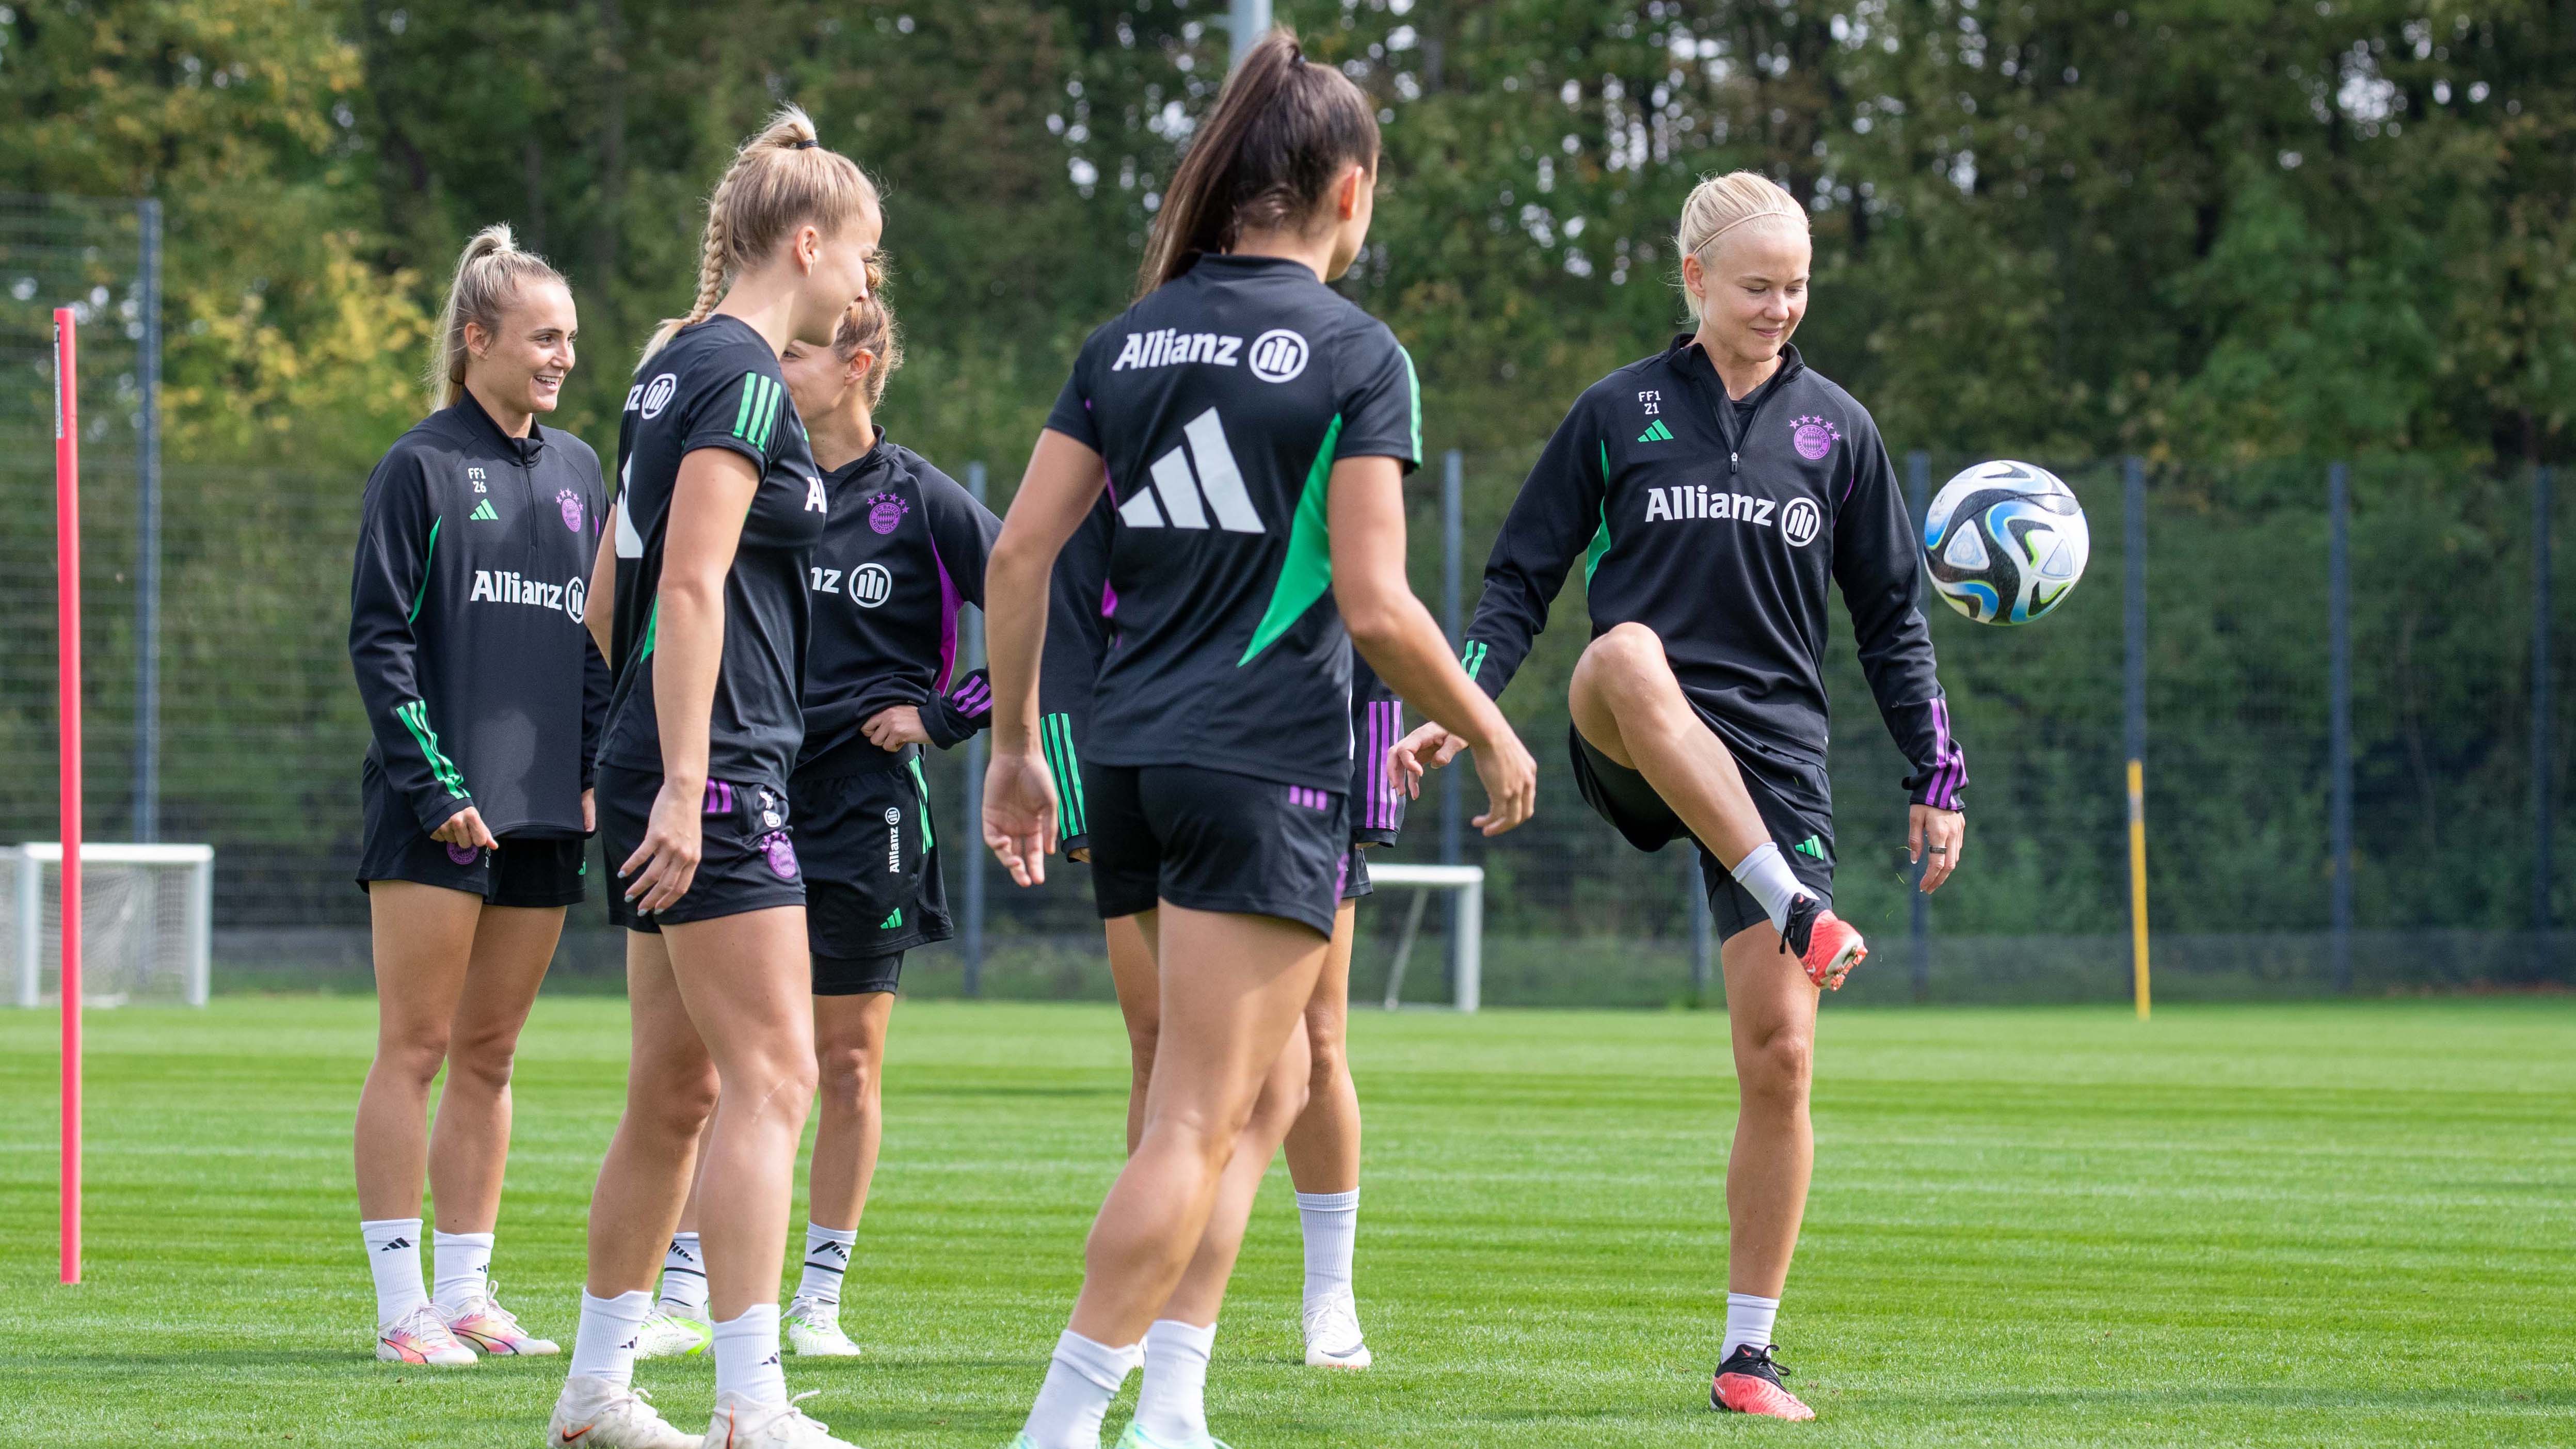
[
  {"x": 415, "y": 719},
  {"x": 421, "y": 595},
  {"x": 923, "y": 786},
  {"x": 1413, "y": 382},
  {"x": 1058, "y": 732},
  {"x": 1473, "y": 658},
  {"x": 743, "y": 414}
]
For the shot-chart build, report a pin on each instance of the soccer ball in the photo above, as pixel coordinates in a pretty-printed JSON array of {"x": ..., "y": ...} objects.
[{"x": 2006, "y": 542}]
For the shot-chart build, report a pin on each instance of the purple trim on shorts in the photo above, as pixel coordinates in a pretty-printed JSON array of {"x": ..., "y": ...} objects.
[
  {"x": 1341, "y": 874},
  {"x": 1385, "y": 727},
  {"x": 719, "y": 798}
]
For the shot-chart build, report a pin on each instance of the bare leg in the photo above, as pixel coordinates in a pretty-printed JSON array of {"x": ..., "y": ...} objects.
[
  {"x": 1131, "y": 970},
  {"x": 469, "y": 1148},
  {"x": 1324, "y": 1144},
  {"x": 424, "y": 949},
  {"x": 1771, "y": 1012},
  {"x": 1230, "y": 1011},
  {"x": 1200, "y": 1294},
  {"x": 849, "y": 1053},
  {"x": 1630, "y": 707},
  {"x": 670, "y": 1097},
  {"x": 748, "y": 984}
]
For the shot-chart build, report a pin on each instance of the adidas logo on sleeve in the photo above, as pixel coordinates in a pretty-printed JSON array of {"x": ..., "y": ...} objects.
[{"x": 1218, "y": 478}]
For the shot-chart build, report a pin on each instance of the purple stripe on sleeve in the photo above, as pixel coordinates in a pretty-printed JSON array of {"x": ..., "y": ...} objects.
[{"x": 948, "y": 603}]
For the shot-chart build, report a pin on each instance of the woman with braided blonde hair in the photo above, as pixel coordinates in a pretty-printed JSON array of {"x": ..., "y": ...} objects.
[
  {"x": 719, "y": 509},
  {"x": 1716, "y": 488}
]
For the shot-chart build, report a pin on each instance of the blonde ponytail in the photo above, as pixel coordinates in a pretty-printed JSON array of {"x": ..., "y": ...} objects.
[
  {"x": 779, "y": 180},
  {"x": 488, "y": 277},
  {"x": 868, "y": 326}
]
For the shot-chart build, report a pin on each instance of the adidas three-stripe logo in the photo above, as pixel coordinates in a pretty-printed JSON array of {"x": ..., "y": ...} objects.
[
  {"x": 1810, "y": 846},
  {"x": 1472, "y": 658},
  {"x": 1217, "y": 477},
  {"x": 757, "y": 418},
  {"x": 1656, "y": 432}
]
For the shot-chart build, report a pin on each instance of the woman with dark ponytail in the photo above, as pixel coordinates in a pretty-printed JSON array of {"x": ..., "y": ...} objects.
[{"x": 1252, "y": 429}]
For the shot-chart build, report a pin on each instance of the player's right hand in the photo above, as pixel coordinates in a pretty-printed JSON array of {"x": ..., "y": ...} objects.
[
  {"x": 1020, "y": 814},
  {"x": 1511, "y": 782},
  {"x": 1427, "y": 748},
  {"x": 465, "y": 827},
  {"x": 666, "y": 864}
]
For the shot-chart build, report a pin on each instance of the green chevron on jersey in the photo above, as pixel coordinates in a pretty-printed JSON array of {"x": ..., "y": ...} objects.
[{"x": 1656, "y": 432}]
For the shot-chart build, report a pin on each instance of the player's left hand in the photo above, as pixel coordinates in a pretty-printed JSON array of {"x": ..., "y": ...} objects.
[
  {"x": 589, "y": 814},
  {"x": 1020, "y": 814},
  {"x": 1943, "y": 833},
  {"x": 894, "y": 727}
]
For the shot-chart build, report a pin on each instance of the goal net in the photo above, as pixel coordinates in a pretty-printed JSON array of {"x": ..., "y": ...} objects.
[{"x": 146, "y": 922}]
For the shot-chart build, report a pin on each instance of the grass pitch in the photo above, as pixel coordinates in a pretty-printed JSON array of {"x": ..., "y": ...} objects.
[{"x": 2349, "y": 1224}]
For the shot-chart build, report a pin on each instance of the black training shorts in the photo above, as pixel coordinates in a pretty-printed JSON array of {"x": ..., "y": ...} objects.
[
  {"x": 872, "y": 884},
  {"x": 526, "y": 872},
  {"x": 1213, "y": 840},
  {"x": 1793, "y": 799},
  {"x": 746, "y": 856},
  {"x": 1355, "y": 876}
]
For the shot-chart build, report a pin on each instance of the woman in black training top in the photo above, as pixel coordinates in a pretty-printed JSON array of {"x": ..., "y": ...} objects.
[
  {"x": 1713, "y": 490},
  {"x": 1238, "y": 406},
  {"x": 721, "y": 507},
  {"x": 484, "y": 696}
]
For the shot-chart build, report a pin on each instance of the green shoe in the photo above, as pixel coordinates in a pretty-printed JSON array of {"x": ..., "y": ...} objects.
[
  {"x": 1137, "y": 1438},
  {"x": 669, "y": 1335}
]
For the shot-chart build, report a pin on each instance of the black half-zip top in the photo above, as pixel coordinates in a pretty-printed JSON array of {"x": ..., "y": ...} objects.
[{"x": 1729, "y": 566}]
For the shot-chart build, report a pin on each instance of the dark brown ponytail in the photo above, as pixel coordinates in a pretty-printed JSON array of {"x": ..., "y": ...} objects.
[{"x": 1282, "y": 130}]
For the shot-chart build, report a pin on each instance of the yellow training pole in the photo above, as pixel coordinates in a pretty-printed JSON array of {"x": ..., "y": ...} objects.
[{"x": 2138, "y": 879}]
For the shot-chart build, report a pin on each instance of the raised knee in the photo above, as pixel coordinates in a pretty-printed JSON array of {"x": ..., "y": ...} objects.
[{"x": 1778, "y": 1068}]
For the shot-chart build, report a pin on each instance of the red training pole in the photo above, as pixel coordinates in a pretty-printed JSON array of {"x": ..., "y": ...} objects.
[{"x": 67, "y": 678}]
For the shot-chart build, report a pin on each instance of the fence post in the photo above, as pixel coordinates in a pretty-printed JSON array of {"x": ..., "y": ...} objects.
[
  {"x": 2133, "y": 692},
  {"x": 1918, "y": 497},
  {"x": 2339, "y": 713},
  {"x": 2541, "y": 756},
  {"x": 147, "y": 541},
  {"x": 1453, "y": 469},
  {"x": 972, "y": 828}
]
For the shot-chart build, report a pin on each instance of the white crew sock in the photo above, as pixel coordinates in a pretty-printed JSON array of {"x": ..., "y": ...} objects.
[
  {"x": 1765, "y": 872},
  {"x": 827, "y": 1257},
  {"x": 393, "y": 1255},
  {"x": 1081, "y": 1380},
  {"x": 747, "y": 1356},
  {"x": 684, "y": 1278},
  {"x": 604, "y": 1346},
  {"x": 1171, "y": 1403},
  {"x": 464, "y": 1267},
  {"x": 1332, "y": 1222},
  {"x": 1748, "y": 1320}
]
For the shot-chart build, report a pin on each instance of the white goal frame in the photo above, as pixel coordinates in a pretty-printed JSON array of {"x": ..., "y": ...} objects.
[
  {"x": 1468, "y": 882},
  {"x": 28, "y": 864}
]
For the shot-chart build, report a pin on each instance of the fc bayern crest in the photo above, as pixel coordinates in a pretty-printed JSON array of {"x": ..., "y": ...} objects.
[
  {"x": 782, "y": 855},
  {"x": 885, "y": 512},
  {"x": 570, "y": 504},
  {"x": 1814, "y": 437}
]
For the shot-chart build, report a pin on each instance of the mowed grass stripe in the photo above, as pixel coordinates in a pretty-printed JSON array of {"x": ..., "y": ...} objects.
[{"x": 2340, "y": 1224}]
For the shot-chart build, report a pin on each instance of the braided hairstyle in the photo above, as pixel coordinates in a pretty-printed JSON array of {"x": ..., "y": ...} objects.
[
  {"x": 781, "y": 179},
  {"x": 489, "y": 274},
  {"x": 868, "y": 326}
]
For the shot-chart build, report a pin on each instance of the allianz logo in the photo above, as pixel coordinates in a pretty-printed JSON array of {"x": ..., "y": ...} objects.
[
  {"x": 499, "y": 586},
  {"x": 1799, "y": 522},
  {"x": 1277, "y": 355}
]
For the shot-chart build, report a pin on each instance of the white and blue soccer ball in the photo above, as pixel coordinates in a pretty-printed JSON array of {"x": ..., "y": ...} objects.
[{"x": 2006, "y": 542}]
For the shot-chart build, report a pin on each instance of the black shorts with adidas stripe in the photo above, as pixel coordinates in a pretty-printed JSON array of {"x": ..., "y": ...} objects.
[
  {"x": 1793, "y": 798},
  {"x": 1213, "y": 840},
  {"x": 872, "y": 883}
]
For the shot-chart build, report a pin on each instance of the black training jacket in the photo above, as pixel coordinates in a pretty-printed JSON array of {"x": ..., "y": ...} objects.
[
  {"x": 903, "y": 549},
  {"x": 1717, "y": 524},
  {"x": 482, "y": 688}
]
